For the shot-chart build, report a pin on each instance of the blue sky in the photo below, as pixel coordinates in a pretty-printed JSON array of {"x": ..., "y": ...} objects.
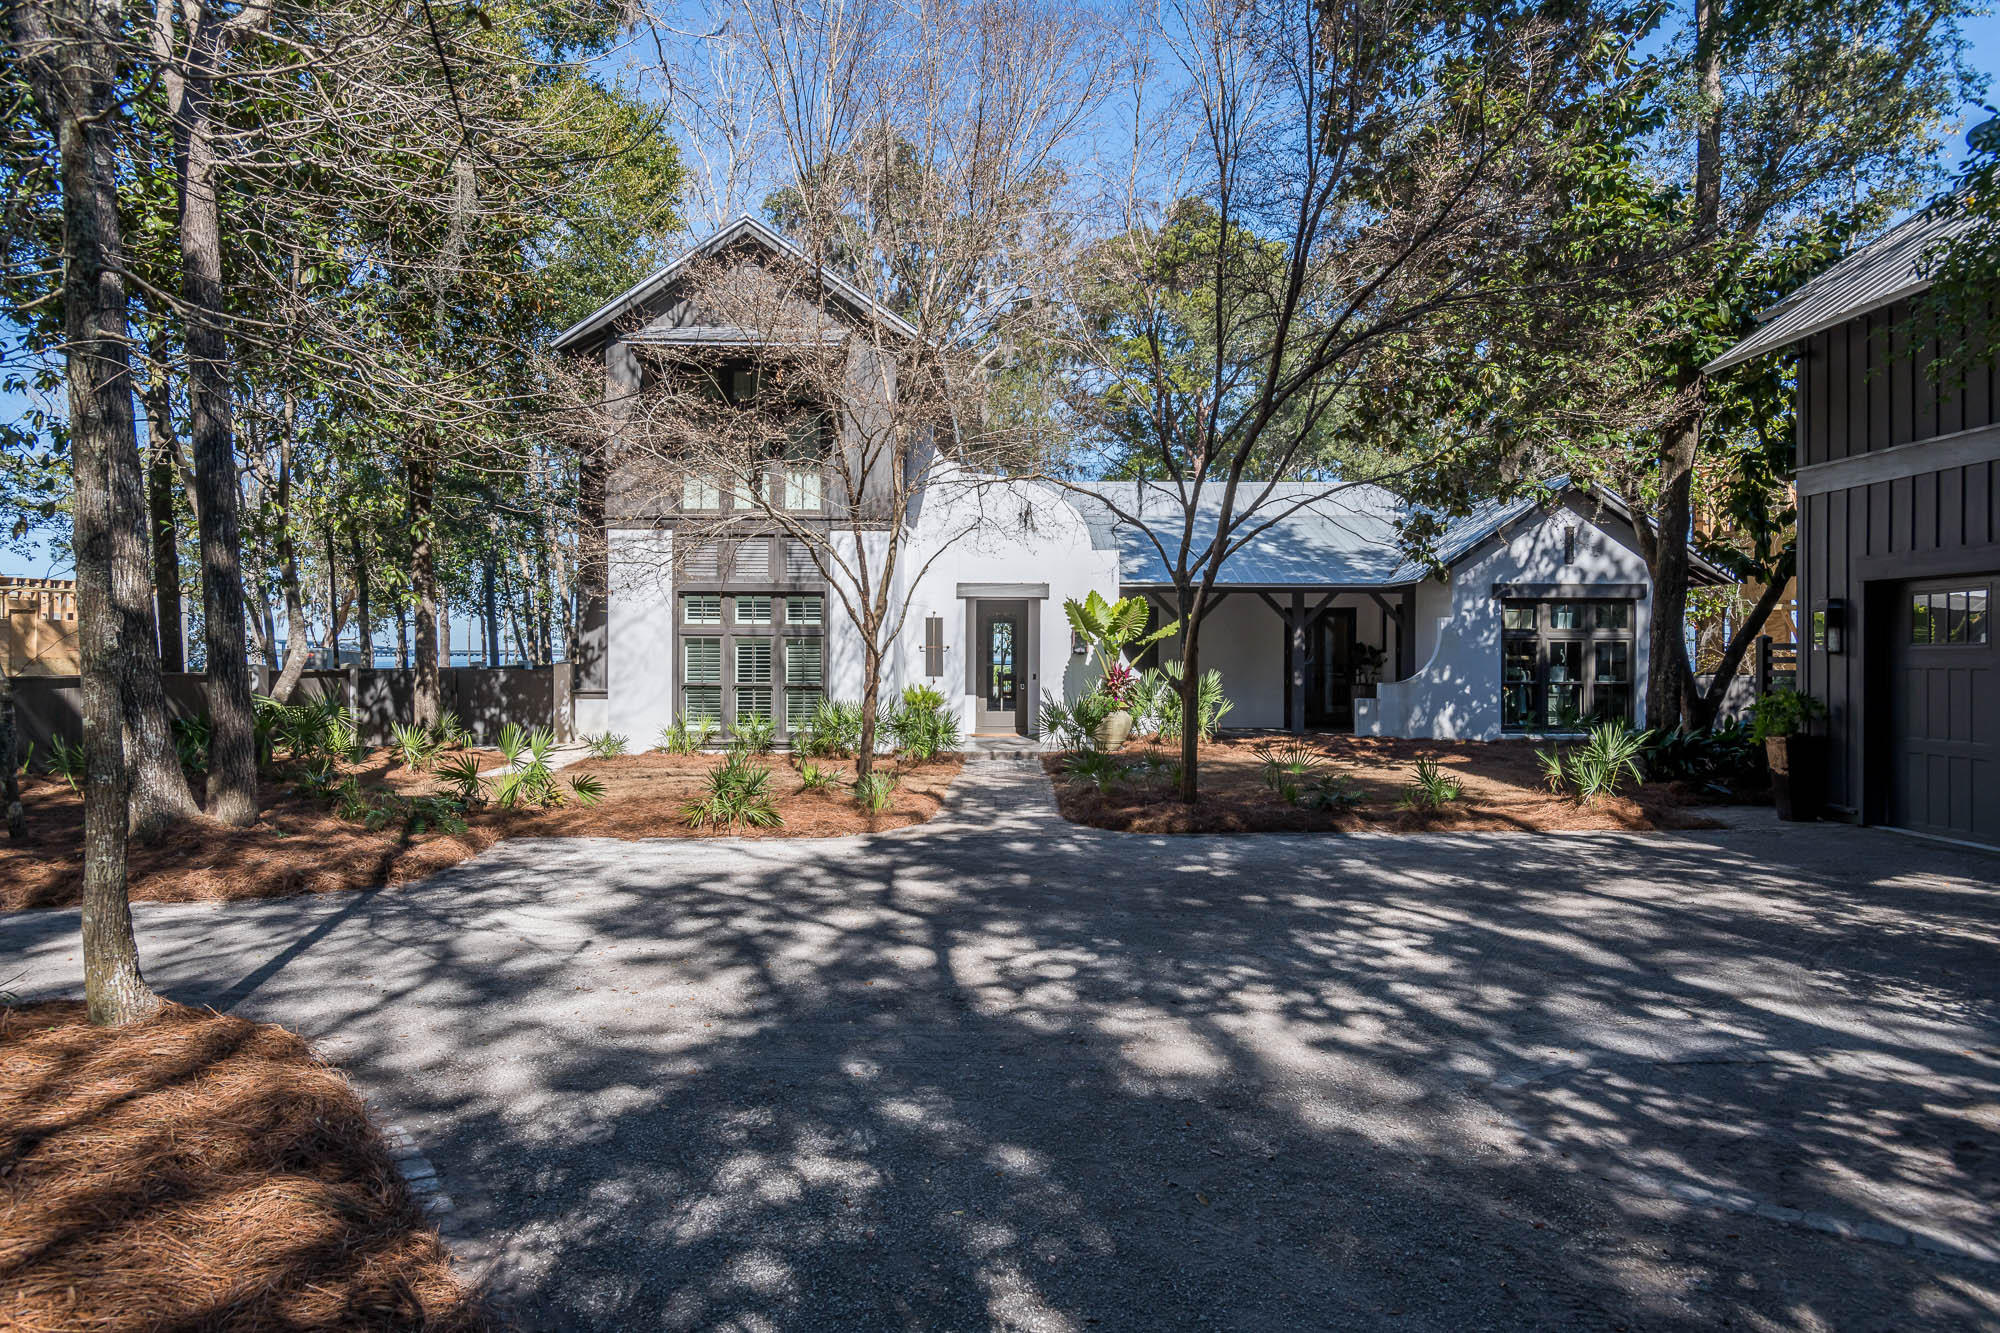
[{"x": 1982, "y": 33}]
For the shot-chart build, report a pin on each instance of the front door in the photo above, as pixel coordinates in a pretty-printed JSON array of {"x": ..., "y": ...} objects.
[
  {"x": 1330, "y": 671},
  {"x": 1002, "y": 645},
  {"x": 1944, "y": 740}
]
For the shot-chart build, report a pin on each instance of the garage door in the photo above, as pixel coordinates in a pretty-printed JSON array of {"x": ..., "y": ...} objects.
[{"x": 1945, "y": 742}]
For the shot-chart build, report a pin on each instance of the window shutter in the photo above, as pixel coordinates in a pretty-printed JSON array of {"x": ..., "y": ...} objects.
[
  {"x": 799, "y": 566},
  {"x": 704, "y": 562},
  {"x": 752, "y": 560},
  {"x": 933, "y": 646},
  {"x": 704, "y": 660},
  {"x": 753, "y": 661},
  {"x": 804, "y": 663}
]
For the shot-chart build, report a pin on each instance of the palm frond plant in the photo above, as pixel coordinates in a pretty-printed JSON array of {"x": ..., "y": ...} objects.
[
  {"x": 1329, "y": 791},
  {"x": 1094, "y": 768},
  {"x": 875, "y": 790},
  {"x": 1555, "y": 769},
  {"x": 739, "y": 794},
  {"x": 449, "y": 732},
  {"x": 757, "y": 735},
  {"x": 68, "y": 761},
  {"x": 191, "y": 740},
  {"x": 831, "y": 731},
  {"x": 812, "y": 777},
  {"x": 1432, "y": 788},
  {"x": 1287, "y": 768},
  {"x": 586, "y": 789},
  {"x": 512, "y": 741},
  {"x": 608, "y": 745},
  {"x": 1211, "y": 703},
  {"x": 1608, "y": 756},
  {"x": 922, "y": 725},
  {"x": 413, "y": 744},
  {"x": 460, "y": 776},
  {"x": 683, "y": 736}
]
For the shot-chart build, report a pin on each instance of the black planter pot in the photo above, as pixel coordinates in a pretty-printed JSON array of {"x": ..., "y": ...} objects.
[{"x": 1798, "y": 775}]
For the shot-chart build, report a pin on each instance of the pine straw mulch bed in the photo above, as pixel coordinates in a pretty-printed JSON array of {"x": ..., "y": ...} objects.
[
  {"x": 1503, "y": 792},
  {"x": 301, "y": 846},
  {"x": 196, "y": 1171}
]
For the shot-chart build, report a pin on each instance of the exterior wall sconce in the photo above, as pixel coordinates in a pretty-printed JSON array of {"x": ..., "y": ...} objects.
[
  {"x": 1829, "y": 626},
  {"x": 1077, "y": 647}
]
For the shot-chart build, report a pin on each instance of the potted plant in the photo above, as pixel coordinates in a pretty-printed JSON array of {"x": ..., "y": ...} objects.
[
  {"x": 1110, "y": 629},
  {"x": 1798, "y": 759}
]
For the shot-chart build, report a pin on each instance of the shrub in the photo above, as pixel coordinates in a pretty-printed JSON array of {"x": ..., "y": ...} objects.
[
  {"x": 1073, "y": 726},
  {"x": 1287, "y": 768},
  {"x": 739, "y": 793},
  {"x": 606, "y": 746},
  {"x": 191, "y": 739},
  {"x": 1094, "y": 768},
  {"x": 873, "y": 791},
  {"x": 460, "y": 776},
  {"x": 758, "y": 735},
  {"x": 1211, "y": 703},
  {"x": 530, "y": 781},
  {"x": 1723, "y": 757},
  {"x": 832, "y": 731},
  {"x": 448, "y": 733},
  {"x": 1328, "y": 791},
  {"x": 814, "y": 778},
  {"x": 684, "y": 737},
  {"x": 1599, "y": 766},
  {"x": 1432, "y": 788},
  {"x": 1784, "y": 713},
  {"x": 413, "y": 744},
  {"x": 922, "y": 725},
  {"x": 68, "y": 761}
]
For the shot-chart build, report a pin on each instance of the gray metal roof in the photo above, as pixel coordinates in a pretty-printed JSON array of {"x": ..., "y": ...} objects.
[
  {"x": 1880, "y": 273},
  {"x": 745, "y": 227},
  {"x": 1347, "y": 539}
]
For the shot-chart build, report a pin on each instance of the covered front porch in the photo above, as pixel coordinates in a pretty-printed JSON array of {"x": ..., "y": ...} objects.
[{"x": 1296, "y": 657}]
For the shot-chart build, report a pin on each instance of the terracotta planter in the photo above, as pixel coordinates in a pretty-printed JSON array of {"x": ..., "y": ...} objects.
[
  {"x": 1113, "y": 730},
  {"x": 1798, "y": 775}
]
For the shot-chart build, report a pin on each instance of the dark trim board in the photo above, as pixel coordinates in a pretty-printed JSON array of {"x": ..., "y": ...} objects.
[
  {"x": 1968, "y": 448},
  {"x": 1618, "y": 592},
  {"x": 1005, "y": 592}
]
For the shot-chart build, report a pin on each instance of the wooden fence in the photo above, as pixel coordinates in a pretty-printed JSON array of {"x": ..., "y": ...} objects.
[{"x": 485, "y": 699}]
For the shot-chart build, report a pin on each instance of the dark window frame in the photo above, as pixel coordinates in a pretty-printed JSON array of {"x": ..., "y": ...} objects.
[{"x": 1550, "y": 644}]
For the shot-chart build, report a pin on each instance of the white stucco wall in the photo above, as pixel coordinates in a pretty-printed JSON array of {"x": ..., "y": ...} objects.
[
  {"x": 639, "y": 638},
  {"x": 1455, "y": 695}
]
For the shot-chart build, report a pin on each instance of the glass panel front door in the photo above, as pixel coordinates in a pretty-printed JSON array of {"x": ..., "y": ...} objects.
[
  {"x": 1000, "y": 650},
  {"x": 1000, "y": 682}
]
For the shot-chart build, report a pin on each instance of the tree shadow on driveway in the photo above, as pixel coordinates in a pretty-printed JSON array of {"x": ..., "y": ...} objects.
[{"x": 1045, "y": 1077}]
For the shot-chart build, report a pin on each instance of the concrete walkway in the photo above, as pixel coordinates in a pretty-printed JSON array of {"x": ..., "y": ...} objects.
[{"x": 1002, "y": 1072}]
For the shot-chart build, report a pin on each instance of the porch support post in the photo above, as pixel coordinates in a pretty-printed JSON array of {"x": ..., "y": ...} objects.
[
  {"x": 1406, "y": 635},
  {"x": 1295, "y": 708}
]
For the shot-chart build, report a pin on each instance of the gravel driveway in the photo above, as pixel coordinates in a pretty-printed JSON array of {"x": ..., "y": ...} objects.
[{"x": 1003, "y": 1072}]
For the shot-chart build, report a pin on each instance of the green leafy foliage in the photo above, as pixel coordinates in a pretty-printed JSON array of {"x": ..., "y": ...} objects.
[
  {"x": 414, "y": 745},
  {"x": 812, "y": 777},
  {"x": 1211, "y": 703},
  {"x": 1288, "y": 764},
  {"x": 1784, "y": 713},
  {"x": 1722, "y": 758},
  {"x": 605, "y": 746},
  {"x": 832, "y": 731},
  {"x": 191, "y": 740},
  {"x": 874, "y": 791},
  {"x": 1095, "y": 769},
  {"x": 1431, "y": 788},
  {"x": 449, "y": 733},
  {"x": 1597, "y": 767},
  {"x": 1113, "y": 629},
  {"x": 460, "y": 776},
  {"x": 738, "y": 795},
  {"x": 684, "y": 737},
  {"x": 758, "y": 735},
  {"x": 529, "y": 780},
  {"x": 67, "y": 761},
  {"x": 922, "y": 725},
  {"x": 1073, "y": 725}
]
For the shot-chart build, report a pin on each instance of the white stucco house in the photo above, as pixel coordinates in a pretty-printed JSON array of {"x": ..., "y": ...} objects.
[{"x": 1537, "y": 622}]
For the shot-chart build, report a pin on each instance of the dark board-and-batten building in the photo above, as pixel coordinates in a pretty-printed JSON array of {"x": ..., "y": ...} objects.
[{"x": 1898, "y": 475}]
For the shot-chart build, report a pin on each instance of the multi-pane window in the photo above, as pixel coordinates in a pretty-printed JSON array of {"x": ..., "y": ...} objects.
[
  {"x": 753, "y": 608},
  {"x": 699, "y": 493},
  {"x": 753, "y": 678},
  {"x": 1945, "y": 617},
  {"x": 805, "y": 678},
  {"x": 805, "y": 609},
  {"x": 701, "y": 608},
  {"x": 701, "y": 678},
  {"x": 1565, "y": 663},
  {"x": 802, "y": 489}
]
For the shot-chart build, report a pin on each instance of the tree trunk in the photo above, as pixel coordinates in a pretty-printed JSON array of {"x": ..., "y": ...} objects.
[
  {"x": 232, "y": 753},
  {"x": 1706, "y": 706},
  {"x": 363, "y": 630},
  {"x": 402, "y": 636},
  {"x": 296, "y": 643},
  {"x": 161, "y": 486},
  {"x": 1667, "y": 663},
  {"x": 74, "y": 76},
  {"x": 871, "y": 696},
  {"x": 1190, "y": 696},
  {"x": 426, "y": 703},
  {"x": 10, "y": 764},
  {"x": 491, "y": 609}
]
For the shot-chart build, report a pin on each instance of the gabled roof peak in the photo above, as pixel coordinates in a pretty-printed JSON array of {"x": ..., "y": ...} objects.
[{"x": 745, "y": 226}]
